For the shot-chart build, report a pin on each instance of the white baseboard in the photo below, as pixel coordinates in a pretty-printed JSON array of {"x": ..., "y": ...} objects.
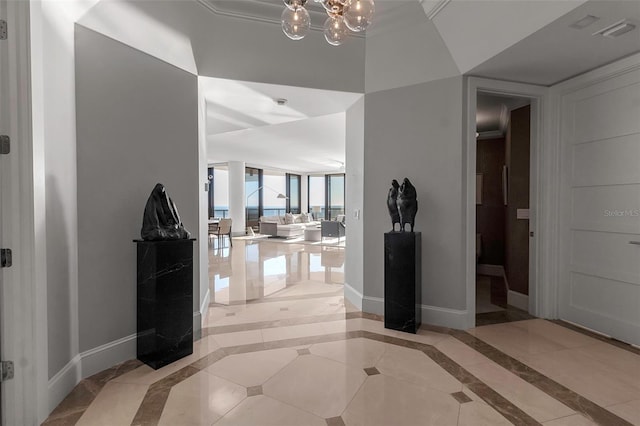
[
  {"x": 490, "y": 270},
  {"x": 63, "y": 381},
  {"x": 87, "y": 364},
  {"x": 353, "y": 296},
  {"x": 519, "y": 300},
  {"x": 445, "y": 317},
  {"x": 432, "y": 315}
]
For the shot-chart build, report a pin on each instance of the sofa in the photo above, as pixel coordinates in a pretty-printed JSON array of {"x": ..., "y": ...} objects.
[{"x": 288, "y": 226}]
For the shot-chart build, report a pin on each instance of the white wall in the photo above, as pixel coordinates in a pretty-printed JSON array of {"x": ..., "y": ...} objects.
[
  {"x": 354, "y": 195},
  {"x": 137, "y": 125},
  {"x": 416, "y": 132},
  {"x": 237, "y": 197}
]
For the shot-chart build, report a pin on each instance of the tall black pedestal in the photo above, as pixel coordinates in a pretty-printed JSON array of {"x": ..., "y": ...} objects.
[
  {"x": 165, "y": 301},
  {"x": 402, "y": 281}
]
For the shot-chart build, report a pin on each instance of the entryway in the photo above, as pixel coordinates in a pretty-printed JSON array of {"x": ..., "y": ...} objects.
[{"x": 503, "y": 140}]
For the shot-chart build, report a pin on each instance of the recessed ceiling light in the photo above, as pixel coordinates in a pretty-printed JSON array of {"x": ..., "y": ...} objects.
[
  {"x": 617, "y": 29},
  {"x": 282, "y": 101},
  {"x": 584, "y": 22}
]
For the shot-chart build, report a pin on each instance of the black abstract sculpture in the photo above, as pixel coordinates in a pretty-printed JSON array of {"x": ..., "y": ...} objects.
[
  {"x": 393, "y": 205},
  {"x": 407, "y": 204},
  {"x": 161, "y": 219}
]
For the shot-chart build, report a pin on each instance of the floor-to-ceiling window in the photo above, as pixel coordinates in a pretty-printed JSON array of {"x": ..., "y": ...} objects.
[
  {"x": 293, "y": 193},
  {"x": 335, "y": 196},
  {"x": 317, "y": 196},
  {"x": 219, "y": 191},
  {"x": 274, "y": 196},
  {"x": 326, "y": 196},
  {"x": 253, "y": 185}
]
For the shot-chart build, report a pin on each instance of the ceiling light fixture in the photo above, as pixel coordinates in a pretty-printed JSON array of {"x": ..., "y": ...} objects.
[{"x": 344, "y": 16}]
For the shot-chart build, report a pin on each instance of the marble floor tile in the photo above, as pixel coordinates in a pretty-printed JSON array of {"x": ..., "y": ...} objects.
[
  {"x": 515, "y": 341},
  {"x": 318, "y": 385},
  {"x": 560, "y": 335},
  {"x": 629, "y": 411},
  {"x": 116, "y": 404},
  {"x": 384, "y": 401},
  {"x": 525, "y": 396},
  {"x": 200, "y": 400},
  {"x": 414, "y": 366},
  {"x": 459, "y": 352},
  {"x": 573, "y": 420},
  {"x": 479, "y": 414},
  {"x": 239, "y": 338},
  {"x": 292, "y": 332},
  {"x": 598, "y": 381},
  {"x": 265, "y": 411},
  {"x": 252, "y": 369},
  {"x": 359, "y": 353}
]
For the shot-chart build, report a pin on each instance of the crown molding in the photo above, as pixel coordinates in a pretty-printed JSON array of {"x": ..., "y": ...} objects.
[
  {"x": 266, "y": 12},
  {"x": 491, "y": 134}
]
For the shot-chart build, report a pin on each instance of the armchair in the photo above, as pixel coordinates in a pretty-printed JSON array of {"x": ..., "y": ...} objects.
[{"x": 332, "y": 229}]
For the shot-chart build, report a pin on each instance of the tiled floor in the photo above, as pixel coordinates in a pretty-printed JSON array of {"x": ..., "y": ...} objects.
[{"x": 285, "y": 349}]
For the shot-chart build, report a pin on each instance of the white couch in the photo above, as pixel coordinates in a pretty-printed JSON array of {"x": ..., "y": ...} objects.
[{"x": 276, "y": 226}]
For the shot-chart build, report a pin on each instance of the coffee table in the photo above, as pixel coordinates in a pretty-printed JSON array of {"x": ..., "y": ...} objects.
[{"x": 312, "y": 234}]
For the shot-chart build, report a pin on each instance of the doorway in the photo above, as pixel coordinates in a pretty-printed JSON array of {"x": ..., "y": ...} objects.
[
  {"x": 503, "y": 156},
  {"x": 517, "y": 96}
]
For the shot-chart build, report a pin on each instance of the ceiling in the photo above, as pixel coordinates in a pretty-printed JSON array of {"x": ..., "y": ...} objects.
[
  {"x": 312, "y": 145},
  {"x": 558, "y": 52},
  {"x": 492, "y": 113},
  {"x": 244, "y": 123}
]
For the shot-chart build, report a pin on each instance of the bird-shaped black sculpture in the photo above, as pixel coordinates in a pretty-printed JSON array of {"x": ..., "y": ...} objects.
[
  {"x": 407, "y": 204},
  {"x": 393, "y": 205}
]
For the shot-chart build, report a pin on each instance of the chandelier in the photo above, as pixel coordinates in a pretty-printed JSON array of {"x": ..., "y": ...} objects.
[{"x": 344, "y": 16}]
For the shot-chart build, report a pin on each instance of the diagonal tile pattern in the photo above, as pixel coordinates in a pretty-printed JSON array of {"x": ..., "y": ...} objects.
[{"x": 321, "y": 362}]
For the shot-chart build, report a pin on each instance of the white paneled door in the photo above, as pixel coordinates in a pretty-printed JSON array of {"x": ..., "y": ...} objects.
[{"x": 600, "y": 221}]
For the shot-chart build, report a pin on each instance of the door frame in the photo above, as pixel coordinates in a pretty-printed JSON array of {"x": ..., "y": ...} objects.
[
  {"x": 544, "y": 171},
  {"x": 24, "y": 310}
]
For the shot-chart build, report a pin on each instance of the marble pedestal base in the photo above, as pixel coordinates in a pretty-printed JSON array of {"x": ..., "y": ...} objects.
[
  {"x": 402, "y": 281},
  {"x": 165, "y": 301}
]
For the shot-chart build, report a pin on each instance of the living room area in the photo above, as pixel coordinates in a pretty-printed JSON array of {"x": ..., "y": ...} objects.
[{"x": 277, "y": 176}]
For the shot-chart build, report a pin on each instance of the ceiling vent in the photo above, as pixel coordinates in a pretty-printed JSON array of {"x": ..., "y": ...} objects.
[
  {"x": 617, "y": 29},
  {"x": 584, "y": 22}
]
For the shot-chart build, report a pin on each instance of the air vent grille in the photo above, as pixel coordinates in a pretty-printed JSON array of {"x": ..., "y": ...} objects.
[{"x": 616, "y": 29}]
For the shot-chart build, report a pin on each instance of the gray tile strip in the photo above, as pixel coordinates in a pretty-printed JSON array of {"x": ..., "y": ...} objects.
[
  {"x": 571, "y": 399},
  {"x": 69, "y": 411},
  {"x": 461, "y": 397}
]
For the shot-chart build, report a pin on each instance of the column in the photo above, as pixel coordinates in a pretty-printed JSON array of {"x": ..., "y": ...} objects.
[{"x": 237, "y": 197}]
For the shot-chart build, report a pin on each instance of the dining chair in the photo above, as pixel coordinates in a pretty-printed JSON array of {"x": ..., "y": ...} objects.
[{"x": 224, "y": 228}]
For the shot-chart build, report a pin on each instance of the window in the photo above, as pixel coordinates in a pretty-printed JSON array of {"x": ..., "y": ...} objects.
[
  {"x": 273, "y": 193},
  {"x": 326, "y": 196},
  {"x": 335, "y": 198},
  {"x": 293, "y": 193},
  {"x": 218, "y": 191},
  {"x": 317, "y": 197}
]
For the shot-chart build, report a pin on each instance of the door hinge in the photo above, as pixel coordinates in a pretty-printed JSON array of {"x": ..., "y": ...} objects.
[
  {"x": 6, "y": 258},
  {"x": 3, "y": 29},
  {"x": 6, "y": 370},
  {"x": 5, "y": 144}
]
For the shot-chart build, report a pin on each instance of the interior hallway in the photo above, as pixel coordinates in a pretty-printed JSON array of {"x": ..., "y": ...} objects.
[{"x": 299, "y": 355}]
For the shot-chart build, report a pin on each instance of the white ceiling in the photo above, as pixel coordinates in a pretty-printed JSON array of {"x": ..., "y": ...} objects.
[
  {"x": 492, "y": 113},
  {"x": 558, "y": 52},
  {"x": 312, "y": 145},
  {"x": 244, "y": 123}
]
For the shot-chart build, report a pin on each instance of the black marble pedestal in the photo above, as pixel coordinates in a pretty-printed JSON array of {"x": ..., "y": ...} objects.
[
  {"x": 165, "y": 301},
  {"x": 402, "y": 281}
]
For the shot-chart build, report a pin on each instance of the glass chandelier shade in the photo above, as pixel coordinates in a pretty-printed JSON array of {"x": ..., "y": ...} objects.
[
  {"x": 358, "y": 14},
  {"x": 344, "y": 16},
  {"x": 295, "y": 22},
  {"x": 335, "y": 31}
]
